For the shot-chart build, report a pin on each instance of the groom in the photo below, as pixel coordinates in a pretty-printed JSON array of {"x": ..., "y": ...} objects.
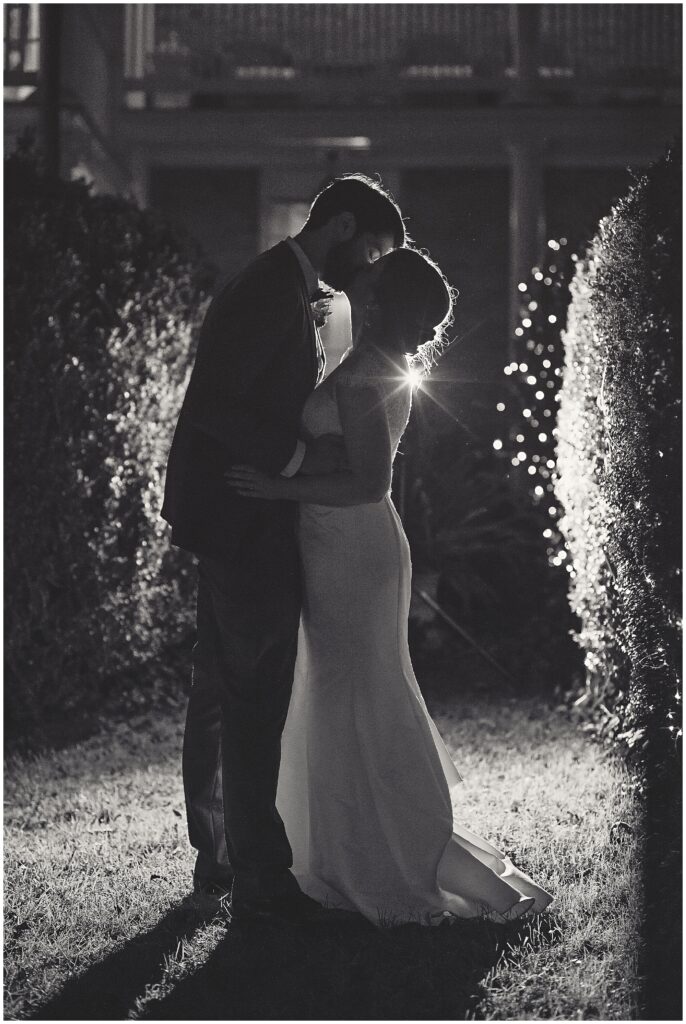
[{"x": 259, "y": 357}]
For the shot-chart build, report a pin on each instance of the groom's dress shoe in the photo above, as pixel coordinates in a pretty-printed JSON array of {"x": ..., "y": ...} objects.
[
  {"x": 295, "y": 908},
  {"x": 208, "y": 890}
]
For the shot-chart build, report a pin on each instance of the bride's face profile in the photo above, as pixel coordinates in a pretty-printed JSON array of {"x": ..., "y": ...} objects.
[
  {"x": 406, "y": 297},
  {"x": 362, "y": 285}
]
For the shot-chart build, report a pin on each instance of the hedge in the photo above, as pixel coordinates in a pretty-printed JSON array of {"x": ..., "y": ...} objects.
[
  {"x": 102, "y": 304},
  {"x": 619, "y": 463}
]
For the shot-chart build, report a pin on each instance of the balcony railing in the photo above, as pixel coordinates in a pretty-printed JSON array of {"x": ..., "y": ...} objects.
[
  {"x": 323, "y": 54},
  {"x": 214, "y": 54},
  {"x": 626, "y": 42}
]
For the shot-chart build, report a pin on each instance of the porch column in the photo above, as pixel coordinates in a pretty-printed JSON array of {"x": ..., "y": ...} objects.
[
  {"x": 527, "y": 220},
  {"x": 139, "y": 44},
  {"x": 527, "y": 203},
  {"x": 50, "y": 85},
  {"x": 524, "y": 38}
]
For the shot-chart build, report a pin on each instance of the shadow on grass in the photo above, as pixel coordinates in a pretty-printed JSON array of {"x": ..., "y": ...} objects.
[
  {"x": 339, "y": 971},
  {"x": 330, "y": 971},
  {"x": 108, "y": 989}
]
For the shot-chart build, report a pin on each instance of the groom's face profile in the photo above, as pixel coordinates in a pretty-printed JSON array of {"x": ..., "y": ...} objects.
[{"x": 345, "y": 259}]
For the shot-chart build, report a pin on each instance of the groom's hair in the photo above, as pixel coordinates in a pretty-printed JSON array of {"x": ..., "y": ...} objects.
[{"x": 373, "y": 207}]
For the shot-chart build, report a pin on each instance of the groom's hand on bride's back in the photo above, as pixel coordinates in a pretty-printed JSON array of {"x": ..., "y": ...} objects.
[{"x": 325, "y": 454}]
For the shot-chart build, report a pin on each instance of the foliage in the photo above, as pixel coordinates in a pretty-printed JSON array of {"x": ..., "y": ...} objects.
[
  {"x": 484, "y": 537},
  {"x": 620, "y": 463},
  {"x": 494, "y": 515},
  {"x": 102, "y": 302}
]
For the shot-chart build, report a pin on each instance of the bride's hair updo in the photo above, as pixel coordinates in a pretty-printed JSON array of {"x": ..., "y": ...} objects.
[{"x": 412, "y": 306}]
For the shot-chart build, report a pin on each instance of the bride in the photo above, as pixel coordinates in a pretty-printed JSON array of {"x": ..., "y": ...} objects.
[{"x": 367, "y": 790}]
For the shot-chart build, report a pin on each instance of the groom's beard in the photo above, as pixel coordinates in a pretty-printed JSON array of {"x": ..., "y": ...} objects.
[{"x": 341, "y": 265}]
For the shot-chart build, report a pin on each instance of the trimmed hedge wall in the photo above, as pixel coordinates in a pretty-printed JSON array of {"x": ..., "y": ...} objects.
[
  {"x": 102, "y": 303},
  {"x": 619, "y": 463}
]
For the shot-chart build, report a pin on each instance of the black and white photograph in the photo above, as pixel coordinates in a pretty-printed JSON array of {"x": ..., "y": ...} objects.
[{"x": 343, "y": 511}]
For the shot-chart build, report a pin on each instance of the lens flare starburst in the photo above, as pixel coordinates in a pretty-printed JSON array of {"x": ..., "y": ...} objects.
[{"x": 414, "y": 376}]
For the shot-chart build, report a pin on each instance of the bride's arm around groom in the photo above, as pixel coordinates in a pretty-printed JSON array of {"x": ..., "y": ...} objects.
[{"x": 366, "y": 477}]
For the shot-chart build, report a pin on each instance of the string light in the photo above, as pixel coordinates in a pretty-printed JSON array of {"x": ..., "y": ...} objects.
[{"x": 542, "y": 317}]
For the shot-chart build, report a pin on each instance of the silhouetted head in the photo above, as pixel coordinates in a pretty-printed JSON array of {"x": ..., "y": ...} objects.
[
  {"x": 363, "y": 224},
  {"x": 407, "y": 303}
]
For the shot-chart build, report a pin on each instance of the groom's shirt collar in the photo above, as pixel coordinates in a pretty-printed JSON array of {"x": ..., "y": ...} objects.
[{"x": 311, "y": 276}]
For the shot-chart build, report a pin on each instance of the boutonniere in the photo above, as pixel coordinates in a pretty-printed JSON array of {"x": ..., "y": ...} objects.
[{"x": 321, "y": 303}]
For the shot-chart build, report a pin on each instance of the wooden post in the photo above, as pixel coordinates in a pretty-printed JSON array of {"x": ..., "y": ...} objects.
[
  {"x": 50, "y": 85},
  {"x": 524, "y": 35},
  {"x": 527, "y": 207},
  {"x": 527, "y": 219}
]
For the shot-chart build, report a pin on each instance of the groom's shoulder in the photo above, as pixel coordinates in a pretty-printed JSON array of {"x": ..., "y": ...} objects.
[
  {"x": 277, "y": 265},
  {"x": 268, "y": 286}
]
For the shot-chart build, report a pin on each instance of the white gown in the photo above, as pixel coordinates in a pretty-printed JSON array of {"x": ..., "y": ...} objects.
[{"x": 367, "y": 790}]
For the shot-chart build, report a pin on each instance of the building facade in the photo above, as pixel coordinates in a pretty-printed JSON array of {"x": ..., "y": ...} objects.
[{"x": 496, "y": 126}]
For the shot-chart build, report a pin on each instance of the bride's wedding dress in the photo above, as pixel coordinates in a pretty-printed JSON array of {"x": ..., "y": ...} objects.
[{"x": 367, "y": 790}]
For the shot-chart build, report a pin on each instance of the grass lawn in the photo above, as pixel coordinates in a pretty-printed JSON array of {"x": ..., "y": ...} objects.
[{"x": 99, "y": 926}]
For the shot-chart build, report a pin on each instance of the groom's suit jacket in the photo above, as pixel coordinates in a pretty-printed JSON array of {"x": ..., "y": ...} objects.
[{"x": 256, "y": 363}]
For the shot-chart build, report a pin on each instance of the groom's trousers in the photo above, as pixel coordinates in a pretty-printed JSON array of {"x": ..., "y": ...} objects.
[{"x": 243, "y": 662}]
